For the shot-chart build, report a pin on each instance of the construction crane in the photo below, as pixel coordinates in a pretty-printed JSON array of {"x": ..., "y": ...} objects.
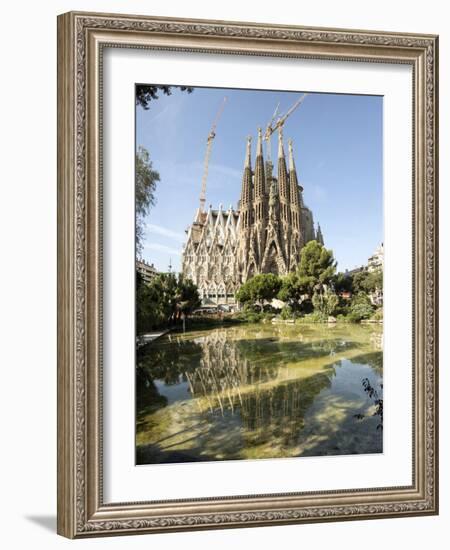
[
  {"x": 271, "y": 127},
  {"x": 269, "y": 131},
  {"x": 209, "y": 141}
]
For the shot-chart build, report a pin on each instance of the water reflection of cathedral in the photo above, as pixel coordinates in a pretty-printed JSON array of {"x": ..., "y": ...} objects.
[
  {"x": 231, "y": 381},
  {"x": 260, "y": 392}
]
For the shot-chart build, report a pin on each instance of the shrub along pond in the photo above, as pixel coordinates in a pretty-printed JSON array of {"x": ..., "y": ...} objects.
[{"x": 260, "y": 391}]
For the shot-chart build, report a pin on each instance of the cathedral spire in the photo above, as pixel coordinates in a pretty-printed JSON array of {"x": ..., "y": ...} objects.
[
  {"x": 248, "y": 156},
  {"x": 247, "y": 191},
  {"x": 260, "y": 206},
  {"x": 296, "y": 188},
  {"x": 291, "y": 156},
  {"x": 293, "y": 181},
  {"x": 259, "y": 149},
  {"x": 280, "y": 143},
  {"x": 259, "y": 180},
  {"x": 319, "y": 236},
  {"x": 283, "y": 182},
  {"x": 295, "y": 192}
]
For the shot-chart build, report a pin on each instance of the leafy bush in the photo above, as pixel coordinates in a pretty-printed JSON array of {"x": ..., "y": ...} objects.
[
  {"x": 314, "y": 317},
  {"x": 341, "y": 318},
  {"x": 343, "y": 307},
  {"x": 286, "y": 313},
  {"x": 325, "y": 303},
  {"x": 249, "y": 316},
  {"x": 361, "y": 308},
  {"x": 378, "y": 315}
]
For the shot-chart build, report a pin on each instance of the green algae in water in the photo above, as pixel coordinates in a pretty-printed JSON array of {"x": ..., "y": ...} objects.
[{"x": 260, "y": 391}]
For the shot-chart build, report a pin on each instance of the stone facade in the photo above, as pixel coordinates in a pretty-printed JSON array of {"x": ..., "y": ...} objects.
[
  {"x": 376, "y": 261},
  {"x": 264, "y": 235},
  {"x": 147, "y": 271}
]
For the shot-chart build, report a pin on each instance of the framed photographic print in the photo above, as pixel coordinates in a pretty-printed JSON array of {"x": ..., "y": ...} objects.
[{"x": 247, "y": 284}]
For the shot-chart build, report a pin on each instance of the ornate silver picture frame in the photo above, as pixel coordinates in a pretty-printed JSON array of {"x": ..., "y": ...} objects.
[{"x": 82, "y": 40}]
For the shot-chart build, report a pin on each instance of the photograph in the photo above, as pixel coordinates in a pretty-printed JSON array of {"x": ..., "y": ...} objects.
[{"x": 259, "y": 274}]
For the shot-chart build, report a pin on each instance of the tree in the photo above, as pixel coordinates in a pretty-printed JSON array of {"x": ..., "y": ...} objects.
[
  {"x": 374, "y": 281},
  {"x": 150, "y": 310},
  {"x": 146, "y": 179},
  {"x": 266, "y": 287},
  {"x": 325, "y": 303},
  {"x": 316, "y": 268},
  {"x": 259, "y": 289},
  {"x": 171, "y": 294},
  {"x": 361, "y": 307},
  {"x": 243, "y": 295},
  {"x": 162, "y": 300},
  {"x": 291, "y": 290},
  {"x": 189, "y": 298},
  {"x": 368, "y": 281},
  {"x": 359, "y": 281},
  {"x": 343, "y": 282},
  {"x": 146, "y": 93}
]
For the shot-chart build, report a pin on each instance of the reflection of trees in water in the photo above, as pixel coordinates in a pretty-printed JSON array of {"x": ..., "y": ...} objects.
[
  {"x": 168, "y": 360},
  {"x": 278, "y": 413},
  {"x": 148, "y": 398},
  {"x": 253, "y": 391},
  {"x": 234, "y": 372},
  {"x": 373, "y": 359},
  {"x": 273, "y": 410},
  {"x": 293, "y": 351},
  {"x": 376, "y": 339}
]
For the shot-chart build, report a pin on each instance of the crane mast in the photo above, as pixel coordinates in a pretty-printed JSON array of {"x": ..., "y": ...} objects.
[
  {"x": 271, "y": 127},
  {"x": 268, "y": 133},
  {"x": 209, "y": 142}
]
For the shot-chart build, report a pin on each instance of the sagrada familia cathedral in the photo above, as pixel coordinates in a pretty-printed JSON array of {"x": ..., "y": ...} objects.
[{"x": 264, "y": 235}]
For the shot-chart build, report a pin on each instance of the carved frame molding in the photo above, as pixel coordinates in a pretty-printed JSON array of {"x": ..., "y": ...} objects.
[{"x": 81, "y": 39}]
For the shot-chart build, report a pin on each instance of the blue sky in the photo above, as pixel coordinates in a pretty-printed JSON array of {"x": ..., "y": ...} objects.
[{"x": 337, "y": 147}]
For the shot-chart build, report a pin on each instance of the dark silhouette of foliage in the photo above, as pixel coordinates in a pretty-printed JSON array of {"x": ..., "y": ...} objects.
[
  {"x": 161, "y": 302},
  {"x": 145, "y": 93},
  {"x": 145, "y": 185}
]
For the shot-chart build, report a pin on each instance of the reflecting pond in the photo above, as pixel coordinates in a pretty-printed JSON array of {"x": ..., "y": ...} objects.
[{"x": 260, "y": 391}]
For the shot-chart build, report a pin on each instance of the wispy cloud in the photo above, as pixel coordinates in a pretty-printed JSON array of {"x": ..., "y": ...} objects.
[
  {"x": 225, "y": 171},
  {"x": 171, "y": 110},
  {"x": 160, "y": 230},
  {"x": 162, "y": 248},
  {"x": 190, "y": 174}
]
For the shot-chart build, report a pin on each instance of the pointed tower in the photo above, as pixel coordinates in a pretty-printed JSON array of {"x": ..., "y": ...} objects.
[
  {"x": 260, "y": 202},
  {"x": 285, "y": 195},
  {"x": 245, "y": 214},
  {"x": 273, "y": 257},
  {"x": 295, "y": 204},
  {"x": 269, "y": 163},
  {"x": 295, "y": 190},
  {"x": 319, "y": 236},
  {"x": 259, "y": 181},
  {"x": 247, "y": 189}
]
